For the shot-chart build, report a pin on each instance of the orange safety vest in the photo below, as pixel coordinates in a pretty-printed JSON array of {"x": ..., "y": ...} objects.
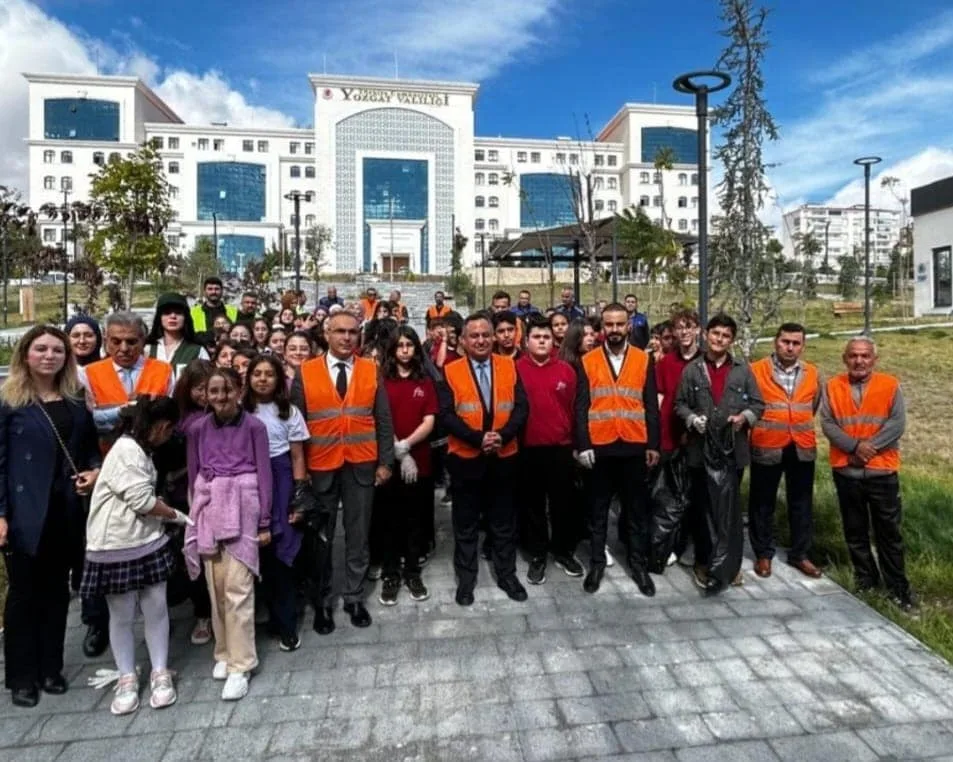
[
  {"x": 786, "y": 419},
  {"x": 107, "y": 389},
  {"x": 342, "y": 431},
  {"x": 369, "y": 308},
  {"x": 434, "y": 312},
  {"x": 616, "y": 409},
  {"x": 468, "y": 403},
  {"x": 864, "y": 421}
]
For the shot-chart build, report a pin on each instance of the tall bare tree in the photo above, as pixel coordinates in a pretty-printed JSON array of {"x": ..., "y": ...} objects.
[
  {"x": 664, "y": 160},
  {"x": 751, "y": 283}
]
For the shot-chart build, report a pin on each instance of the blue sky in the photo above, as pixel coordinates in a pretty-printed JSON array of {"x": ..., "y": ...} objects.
[{"x": 844, "y": 78}]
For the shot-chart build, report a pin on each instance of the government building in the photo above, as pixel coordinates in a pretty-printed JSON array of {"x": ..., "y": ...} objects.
[{"x": 391, "y": 167}]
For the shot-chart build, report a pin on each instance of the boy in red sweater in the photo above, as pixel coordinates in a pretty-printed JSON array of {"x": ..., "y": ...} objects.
[{"x": 546, "y": 455}]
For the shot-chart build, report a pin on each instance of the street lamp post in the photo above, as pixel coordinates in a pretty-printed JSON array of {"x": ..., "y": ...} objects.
[
  {"x": 700, "y": 84},
  {"x": 483, "y": 265},
  {"x": 297, "y": 197},
  {"x": 867, "y": 162},
  {"x": 215, "y": 234},
  {"x": 66, "y": 215}
]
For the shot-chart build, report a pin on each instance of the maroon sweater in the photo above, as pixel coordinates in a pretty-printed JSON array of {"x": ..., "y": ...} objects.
[{"x": 551, "y": 392}]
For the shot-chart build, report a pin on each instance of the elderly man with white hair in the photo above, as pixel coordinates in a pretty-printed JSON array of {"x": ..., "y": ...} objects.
[{"x": 863, "y": 415}]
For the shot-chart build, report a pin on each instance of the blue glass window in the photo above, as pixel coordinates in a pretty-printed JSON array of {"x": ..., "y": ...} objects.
[
  {"x": 236, "y": 251},
  {"x": 683, "y": 142},
  {"x": 394, "y": 189},
  {"x": 233, "y": 191},
  {"x": 546, "y": 200},
  {"x": 80, "y": 119}
]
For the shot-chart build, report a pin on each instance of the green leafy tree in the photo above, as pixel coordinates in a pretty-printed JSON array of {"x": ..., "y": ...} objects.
[
  {"x": 848, "y": 279},
  {"x": 807, "y": 247},
  {"x": 664, "y": 160},
  {"x": 258, "y": 277},
  {"x": 749, "y": 280},
  {"x": 316, "y": 243},
  {"x": 134, "y": 196},
  {"x": 460, "y": 284},
  {"x": 651, "y": 248},
  {"x": 199, "y": 265}
]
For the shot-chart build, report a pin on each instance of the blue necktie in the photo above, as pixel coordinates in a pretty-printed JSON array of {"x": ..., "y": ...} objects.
[
  {"x": 127, "y": 381},
  {"x": 483, "y": 377}
]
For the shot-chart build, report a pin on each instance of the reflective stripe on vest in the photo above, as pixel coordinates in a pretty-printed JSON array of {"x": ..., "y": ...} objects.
[
  {"x": 469, "y": 406},
  {"x": 107, "y": 390},
  {"x": 786, "y": 419},
  {"x": 341, "y": 431},
  {"x": 864, "y": 421},
  {"x": 616, "y": 409}
]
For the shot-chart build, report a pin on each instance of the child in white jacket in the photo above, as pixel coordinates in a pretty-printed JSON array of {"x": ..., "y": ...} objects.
[{"x": 128, "y": 556}]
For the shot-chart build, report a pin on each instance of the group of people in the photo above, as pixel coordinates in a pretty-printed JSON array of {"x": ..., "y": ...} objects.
[{"x": 213, "y": 457}]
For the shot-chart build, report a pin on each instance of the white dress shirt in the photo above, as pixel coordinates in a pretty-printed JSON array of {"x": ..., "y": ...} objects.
[{"x": 333, "y": 361}]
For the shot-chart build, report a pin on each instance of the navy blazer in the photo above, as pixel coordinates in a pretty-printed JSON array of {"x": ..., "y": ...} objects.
[{"x": 28, "y": 454}]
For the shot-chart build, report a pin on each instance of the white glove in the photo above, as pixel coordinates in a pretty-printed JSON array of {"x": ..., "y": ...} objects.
[
  {"x": 586, "y": 459},
  {"x": 181, "y": 519},
  {"x": 401, "y": 449},
  {"x": 698, "y": 422},
  {"x": 408, "y": 470}
]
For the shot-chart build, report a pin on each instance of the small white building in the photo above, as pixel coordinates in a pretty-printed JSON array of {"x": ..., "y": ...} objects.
[
  {"x": 392, "y": 168},
  {"x": 932, "y": 209}
]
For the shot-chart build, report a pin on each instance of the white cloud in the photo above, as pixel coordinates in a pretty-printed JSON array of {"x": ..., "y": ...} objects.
[
  {"x": 922, "y": 168},
  {"x": 33, "y": 41}
]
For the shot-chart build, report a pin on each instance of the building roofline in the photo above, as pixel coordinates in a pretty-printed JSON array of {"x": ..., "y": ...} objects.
[
  {"x": 97, "y": 79},
  {"x": 217, "y": 129},
  {"x": 839, "y": 207},
  {"x": 547, "y": 143},
  {"x": 933, "y": 197},
  {"x": 386, "y": 83},
  {"x": 669, "y": 109}
]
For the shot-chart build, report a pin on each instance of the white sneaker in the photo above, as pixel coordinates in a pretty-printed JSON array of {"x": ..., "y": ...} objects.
[
  {"x": 610, "y": 561},
  {"x": 236, "y": 686},
  {"x": 202, "y": 632},
  {"x": 163, "y": 691},
  {"x": 127, "y": 695},
  {"x": 221, "y": 671},
  {"x": 672, "y": 559}
]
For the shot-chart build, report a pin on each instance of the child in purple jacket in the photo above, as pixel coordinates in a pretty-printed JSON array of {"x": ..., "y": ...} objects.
[{"x": 231, "y": 493}]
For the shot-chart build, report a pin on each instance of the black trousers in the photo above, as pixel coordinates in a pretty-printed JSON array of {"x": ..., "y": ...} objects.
[
  {"x": 280, "y": 592},
  {"x": 35, "y": 613},
  {"x": 624, "y": 477},
  {"x": 548, "y": 477},
  {"x": 402, "y": 512},
  {"x": 873, "y": 501},
  {"x": 491, "y": 492},
  {"x": 762, "y": 497}
]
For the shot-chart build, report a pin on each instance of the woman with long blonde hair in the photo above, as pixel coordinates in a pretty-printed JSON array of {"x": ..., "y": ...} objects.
[{"x": 49, "y": 460}]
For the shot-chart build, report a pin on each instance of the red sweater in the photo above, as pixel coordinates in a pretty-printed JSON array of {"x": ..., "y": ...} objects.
[
  {"x": 668, "y": 373},
  {"x": 551, "y": 392}
]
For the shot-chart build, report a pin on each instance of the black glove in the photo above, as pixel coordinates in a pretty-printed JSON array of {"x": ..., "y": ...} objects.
[{"x": 304, "y": 502}]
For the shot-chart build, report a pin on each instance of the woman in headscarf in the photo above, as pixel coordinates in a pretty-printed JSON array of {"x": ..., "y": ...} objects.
[
  {"x": 172, "y": 338},
  {"x": 85, "y": 338}
]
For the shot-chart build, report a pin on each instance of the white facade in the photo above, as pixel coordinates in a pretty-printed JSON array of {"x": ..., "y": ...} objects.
[
  {"x": 840, "y": 231},
  {"x": 393, "y": 167},
  {"x": 932, "y": 209}
]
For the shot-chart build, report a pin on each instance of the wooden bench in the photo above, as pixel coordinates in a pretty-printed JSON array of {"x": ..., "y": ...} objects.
[{"x": 847, "y": 308}]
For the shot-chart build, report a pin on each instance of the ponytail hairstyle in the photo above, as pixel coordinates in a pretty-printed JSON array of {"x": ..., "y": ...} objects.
[{"x": 137, "y": 420}]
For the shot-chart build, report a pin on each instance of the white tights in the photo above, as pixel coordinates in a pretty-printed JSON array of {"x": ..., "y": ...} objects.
[{"x": 122, "y": 619}]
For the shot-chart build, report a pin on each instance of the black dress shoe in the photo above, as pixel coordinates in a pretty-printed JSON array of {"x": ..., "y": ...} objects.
[
  {"x": 324, "y": 620},
  {"x": 360, "y": 616},
  {"x": 25, "y": 697},
  {"x": 513, "y": 588},
  {"x": 96, "y": 641},
  {"x": 643, "y": 581},
  {"x": 593, "y": 579},
  {"x": 464, "y": 596},
  {"x": 713, "y": 586},
  {"x": 55, "y": 686}
]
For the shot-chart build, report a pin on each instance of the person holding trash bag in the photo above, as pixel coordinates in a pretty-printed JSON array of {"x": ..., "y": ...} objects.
[{"x": 719, "y": 401}]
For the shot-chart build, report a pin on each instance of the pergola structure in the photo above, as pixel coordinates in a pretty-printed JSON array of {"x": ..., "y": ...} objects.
[{"x": 564, "y": 244}]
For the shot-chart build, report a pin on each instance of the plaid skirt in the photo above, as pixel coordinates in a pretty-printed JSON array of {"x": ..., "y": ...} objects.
[{"x": 124, "y": 576}]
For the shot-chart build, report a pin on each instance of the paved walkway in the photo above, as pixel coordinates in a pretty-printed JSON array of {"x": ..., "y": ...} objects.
[{"x": 781, "y": 669}]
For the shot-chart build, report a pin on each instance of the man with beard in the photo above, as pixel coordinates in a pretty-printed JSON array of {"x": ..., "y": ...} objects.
[
  {"x": 204, "y": 313},
  {"x": 249, "y": 308},
  {"x": 483, "y": 408},
  {"x": 617, "y": 436},
  {"x": 439, "y": 309}
]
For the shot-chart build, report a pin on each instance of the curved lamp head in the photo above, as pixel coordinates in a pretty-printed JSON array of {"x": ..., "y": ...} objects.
[
  {"x": 695, "y": 82},
  {"x": 867, "y": 161}
]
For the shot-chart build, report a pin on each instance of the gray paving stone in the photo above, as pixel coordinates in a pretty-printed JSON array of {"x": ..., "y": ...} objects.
[
  {"x": 145, "y": 748},
  {"x": 581, "y": 659},
  {"x": 491, "y": 719},
  {"x": 226, "y": 743},
  {"x": 184, "y": 746},
  {"x": 195, "y": 715},
  {"x": 661, "y": 653},
  {"x": 12, "y": 729},
  {"x": 644, "y": 756},
  {"x": 768, "y": 722},
  {"x": 365, "y": 703},
  {"x": 556, "y": 685},
  {"x": 742, "y": 751},
  {"x": 844, "y": 746},
  {"x": 614, "y": 707},
  {"x": 581, "y": 741},
  {"x": 834, "y": 715},
  {"x": 663, "y": 733},
  {"x": 321, "y": 736},
  {"x": 668, "y": 703},
  {"x": 628, "y": 679},
  {"x": 503, "y": 748},
  {"x": 915, "y": 741},
  {"x": 36, "y": 753}
]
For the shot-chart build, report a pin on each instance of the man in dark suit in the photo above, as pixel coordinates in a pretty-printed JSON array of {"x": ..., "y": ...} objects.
[
  {"x": 483, "y": 407},
  {"x": 350, "y": 452}
]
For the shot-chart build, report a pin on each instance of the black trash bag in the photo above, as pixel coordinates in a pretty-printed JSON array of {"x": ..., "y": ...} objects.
[
  {"x": 724, "y": 505},
  {"x": 669, "y": 492}
]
